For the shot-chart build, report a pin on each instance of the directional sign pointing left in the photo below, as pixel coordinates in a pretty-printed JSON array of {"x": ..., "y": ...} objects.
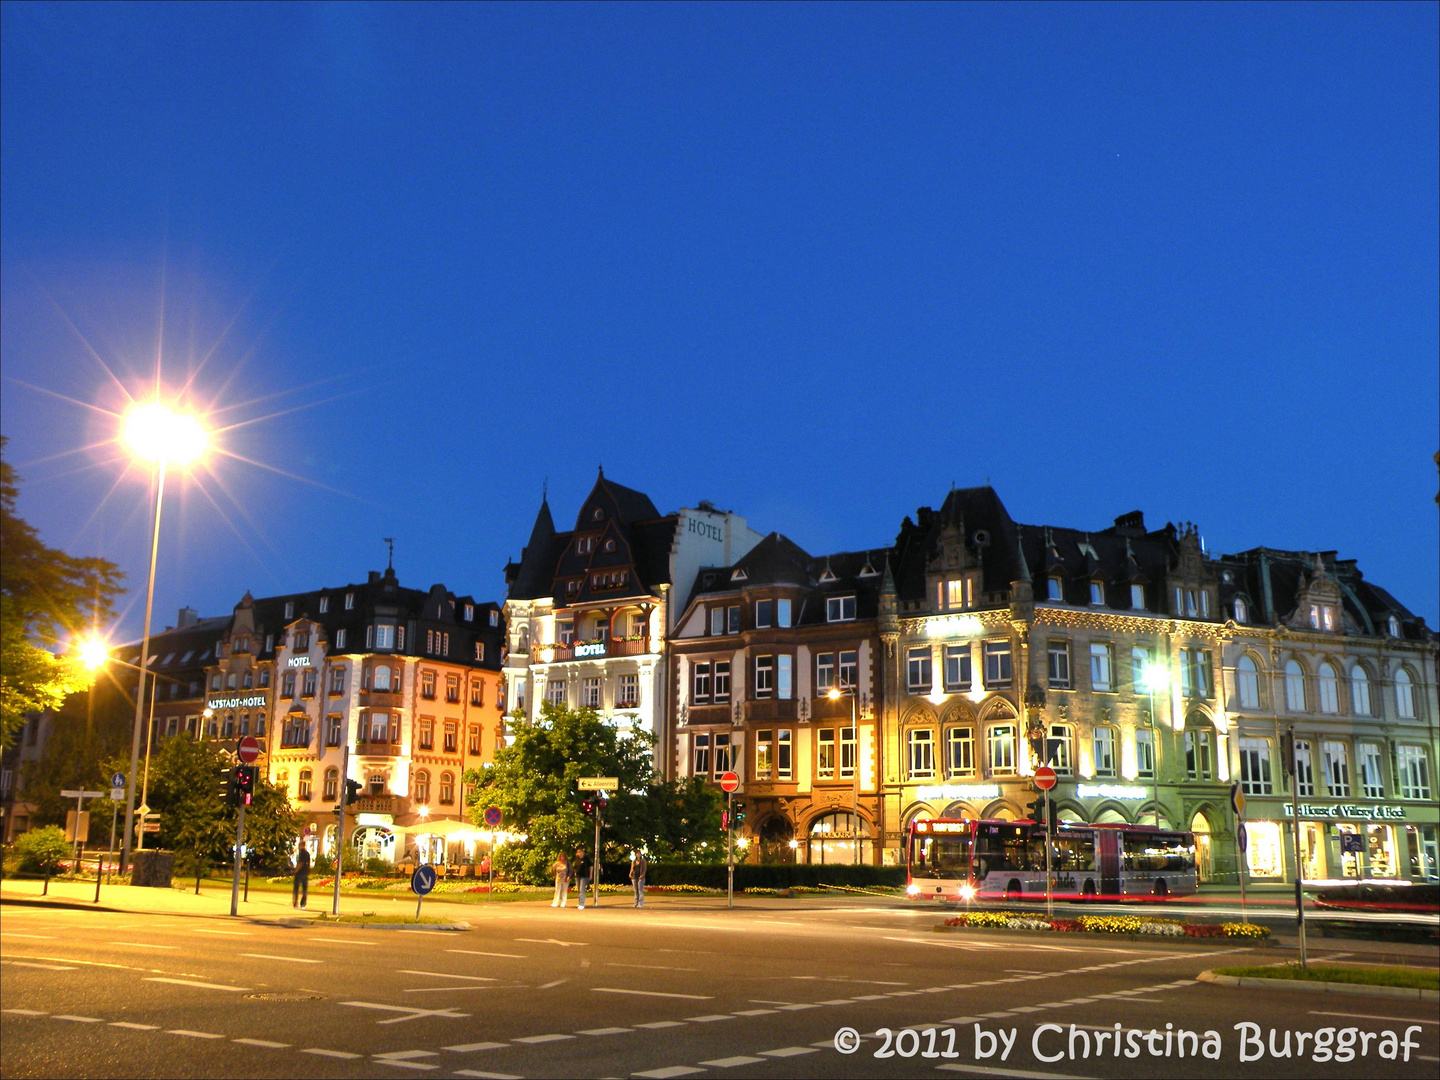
[{"x": 70, "y": 794}]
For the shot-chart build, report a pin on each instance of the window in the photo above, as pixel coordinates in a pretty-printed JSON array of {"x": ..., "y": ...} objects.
[
  {"x": 960, "y": 751},
  {"x": 269, "y": 642},
  {"x": 1097, "y": 594},
  {"x": 1144, "y": 753},
  {"x": 1199, "y": 754},
  {"x": 1000, "y": 748},
  {"x": 1104, "y": 751},
  {"x": 1294, "y": 686},
  {"x": 288, "y": 685},
  {"x": 1255, "y": 767},
  {"x": 452, "y": 689},
  {"x": 477, "y": 692},
  {"x": 639, "y": 626},
  {"x": 997, "y": 663},
  {"x": 340, "y": 638},
  {"x": 1139, "y": 665},
  {"x": 382, "y": 729},
  {"x": 1059, "y": 748},
  {"x": 1392, "y": 625},
  {"x": 1057, "y": 658},
  {"x": 215, "y": 681},
  {"x": 917, "y": 669},
  {"x": 1056, "y": 590},
  {"x": 289, "y": 609},
  {"x": 260, "y": 724},
  {"x": 494, "y": 617},
  {"x": 384, "y": 636},
  {"x": 469, "y": 612},
  {"x": 1192, "y": 603},
  {"x": 332, "y": 730},
  {"x": 1359, "y": 691},
  {"x": 1137, "y": 597},
  {"x": 627, "y": 691},
  {"x": 1329, "y": 688},
  {"x": 701, "y": 692},
  {"x": 1372, "y": 780},
  {"x": 452, "y": 739},
  {"x": 437, "y": 643},
  {"x": 921, "y": 743},
  {"x": 349, "y": 601},
  {"x": 228, "y": 730},
  {"x": 782, "y": 613},
  {"x": 555, "y": 691},
  {"x": 296, "y": 732},
  {"x": 785, "y": 685},
  {"x": 1337, "y": 769},
  {"x": 244, "y": 727},
  {"x": 849, "y": 669},
  {"x": 732, "y": 619},
  {"x": 447, "y": 789},
  {"x": 427, "y": 734},
  {"x": 584, "y": 545},
  {"x": 722, "y": 681},
  {"x": 1196, "y": 680},
  {"x": 427, "y": 685},
  {"x": 324, "y": 604},
  {"x": 958, "y": 676},
  {"x": 302, "y": 790},
  {"x": 381, "y": 679},
  {"x": 824, "y": 672},
  {"x": 422, "y": 786},
  {"x": 1304, "y": 769},
  {"x": 764, "y": 613},
  {"x": 764, "y": 754},
  {"x": 1404, "y": 695},
  {"x": 1101, "y": 677},
  {"x": 825, "y": 754},
  {"x": 847, "y": 753},
  {"x": 717, "y": 621},
  {"x": 565, "y": 633},
  {"x": 473, "y": 746},
  {"x": 784, "y": 754},
  {"x": 331, "y": 791},
  {"x": 840, "y": 609},
  {"x": 590, "y": 693},
  {"x": 377, "y": 784},
  {"x": 1242, "y": 610},
  {"x": 702, "y": 755},
  {"x": 309, "y": 682},
  {"x": 764, "y": 676},
  {"x": 1247, "y": 683},
  {"x": 1412, "y": 771}
]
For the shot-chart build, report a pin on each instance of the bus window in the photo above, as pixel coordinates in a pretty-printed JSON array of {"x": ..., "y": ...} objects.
[
  {"x": 1150, "y": 853},
  {"x": 1074, "y": 853},
  {"x": 940, "y": 856}
]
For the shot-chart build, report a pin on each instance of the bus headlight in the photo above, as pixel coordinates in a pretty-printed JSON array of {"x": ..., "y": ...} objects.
[
  {"x": 967, "y": 893},
  {"x": 912, "y": 890}
]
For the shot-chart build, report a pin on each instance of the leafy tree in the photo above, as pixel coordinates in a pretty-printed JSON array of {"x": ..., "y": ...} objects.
[
  {"x": 533, "y": 782},
  {"x": 46, "y": 597},
  {"x": 80, "y": 740},
  {"x": 42, "y": 850}
]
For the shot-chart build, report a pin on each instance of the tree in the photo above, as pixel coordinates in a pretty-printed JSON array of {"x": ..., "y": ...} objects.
[
  {"x": 533, "y": 782},
  {"x": 46, "y": 598},
  {"x": 43, "y": 850}
]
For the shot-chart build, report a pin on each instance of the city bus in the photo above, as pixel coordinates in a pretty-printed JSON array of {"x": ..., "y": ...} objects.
[{"x": 960, "y": 860}]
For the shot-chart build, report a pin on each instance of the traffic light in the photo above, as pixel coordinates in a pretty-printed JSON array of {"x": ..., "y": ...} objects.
[
  {"x": 244, "y": 785},
  {"x": 1287, "y": 754},
  {"x": 587, "y": 807},
  {"x": 352, "y": 792},
  {"x": 739, "y": 814},
  {"x": 1037, "y": 811},
  {"x": 228, "y": 793}
]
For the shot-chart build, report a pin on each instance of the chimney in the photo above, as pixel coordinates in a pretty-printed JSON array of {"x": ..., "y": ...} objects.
[{"x": 187, "y": 617}]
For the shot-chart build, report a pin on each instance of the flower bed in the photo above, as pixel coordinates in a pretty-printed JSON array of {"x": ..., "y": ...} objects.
[{"x": 1110, "y": 924}]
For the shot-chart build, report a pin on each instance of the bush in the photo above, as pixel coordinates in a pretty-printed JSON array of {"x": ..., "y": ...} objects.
[{"x": 40, "y": 851}]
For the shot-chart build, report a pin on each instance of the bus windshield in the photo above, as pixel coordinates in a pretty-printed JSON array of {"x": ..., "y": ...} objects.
[{"x": 940, "y": 856}]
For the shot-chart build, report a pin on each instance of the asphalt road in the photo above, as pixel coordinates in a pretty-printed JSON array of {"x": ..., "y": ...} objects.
[{"x": 687, "y": 989}]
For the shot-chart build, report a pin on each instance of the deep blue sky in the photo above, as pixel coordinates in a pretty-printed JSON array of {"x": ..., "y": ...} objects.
[{"x": 813, "y": 263}]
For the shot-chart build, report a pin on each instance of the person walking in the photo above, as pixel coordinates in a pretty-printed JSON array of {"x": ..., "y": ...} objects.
[
  {"x": 582, "y": 874},
  {"x": 638, "y": 866},
  {"x": 300, "y": 888},
  {"x": 562, "y": 881}
]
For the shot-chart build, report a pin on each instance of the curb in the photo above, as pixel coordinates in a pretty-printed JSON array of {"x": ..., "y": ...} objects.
[
  {"x": 1080, "y": 935},
  {"x": 1313, "y": 987}
]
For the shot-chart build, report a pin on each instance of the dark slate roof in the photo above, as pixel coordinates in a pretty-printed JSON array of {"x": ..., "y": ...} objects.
[{"x": 181, "y": 653}]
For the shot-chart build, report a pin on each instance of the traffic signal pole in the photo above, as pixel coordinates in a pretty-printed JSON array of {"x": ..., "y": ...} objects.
[
  {"x": 1049, "y": 878},
  {"x": 730, "y": 848},
  {"x": 342, "y": 796},
  {"x": 239, "y": 841}
]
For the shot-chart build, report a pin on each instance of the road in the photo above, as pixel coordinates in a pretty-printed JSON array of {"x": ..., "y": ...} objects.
[{"x": 686, "y": 988}]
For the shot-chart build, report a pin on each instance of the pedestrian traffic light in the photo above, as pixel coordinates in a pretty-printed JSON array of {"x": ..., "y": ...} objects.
[
  {"x": 244, "y": 785},
  {"x": 739, "y": 814},
  {"x": 227, "y": 792},
  {"x": 587, "y": 807},
  {"x": 352, "y": 792}
]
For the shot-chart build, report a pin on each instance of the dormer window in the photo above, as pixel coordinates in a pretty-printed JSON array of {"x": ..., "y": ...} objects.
[
  {"x": 1242, "y": 610},
  {"x": 349, "y": 601},
  {"x": 827, "y": 576},
  {"x": 324, "y": 604},
  {"x": 1322, "y": 617},
  {"x": 1392, "y": 625},
  {"x": 840, "y": 609},
  {"x": 1097, "y": 594},
  {"x": 609, "y": 545},
  {"x": 1137, "y": 597},
  {"x": 1057, "y": 590},
  {"x": 584, "y": 545},
  {"x": 289, "y": 609},
  {"x": 1192, "y": 602},
  {"x": 469, "y": 612},
  {"x": 956, "y": 594},
  {"x": 739, "y": 574}
]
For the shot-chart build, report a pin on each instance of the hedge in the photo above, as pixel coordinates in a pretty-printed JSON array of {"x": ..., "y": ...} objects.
[{"x": 752, "y": 876}]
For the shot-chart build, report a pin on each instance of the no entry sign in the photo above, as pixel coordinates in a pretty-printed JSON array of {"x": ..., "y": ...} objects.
[
  {"x": 1044, "y": 778},
  {"x": 248, "y": 750},
  {"x": 729, "y": 782}
]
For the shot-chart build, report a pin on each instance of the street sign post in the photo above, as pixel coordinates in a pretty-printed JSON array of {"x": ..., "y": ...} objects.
[
  {"x": 493, "y": 817},
  {"x": 728, "y": 783},
  {"x": 600, "y": 784},
  {"x": 1242, "y": 840},
  {"x": 1299, "y": 862},
  {"x": 78, "y": 828},
  {"x": 597, "y": 783},
  {"x": 117, "y": 796},
  {"x": 421, "y": 882},
  {"x": 1045, "y": 780}
]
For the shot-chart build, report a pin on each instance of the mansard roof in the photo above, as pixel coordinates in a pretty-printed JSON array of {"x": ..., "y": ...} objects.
[{"x": 777, "y": 561}]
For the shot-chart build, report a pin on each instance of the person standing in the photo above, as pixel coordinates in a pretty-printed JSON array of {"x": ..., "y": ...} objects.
[
  {"x": 582, "y": 874},
  {"x": 638, "y": 866},
  {"x": 562, "y": 881},
  {"x": 300, "y": 889}
]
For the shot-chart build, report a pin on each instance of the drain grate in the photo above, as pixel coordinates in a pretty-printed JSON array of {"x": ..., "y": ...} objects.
[{"x": 286, "y": 995}]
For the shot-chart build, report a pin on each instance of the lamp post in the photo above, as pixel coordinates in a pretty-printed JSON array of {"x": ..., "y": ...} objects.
[
  {"x": 834, "y": 695},
  {"x": 1155, "y": 677},
  {"x": 162, "y": 437}
]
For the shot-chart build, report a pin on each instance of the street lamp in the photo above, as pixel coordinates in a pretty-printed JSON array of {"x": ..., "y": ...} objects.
[
  {"x": 834, "y": 695},
  {"x": 161, "y": 436},
  {"x": 1155, "y": 677}
]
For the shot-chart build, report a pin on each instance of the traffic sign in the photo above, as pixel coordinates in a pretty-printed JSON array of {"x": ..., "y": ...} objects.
[
  {"x": 117, "y": 794},
  {"x": 143, "y": 809},
  {"x": 729, "y": 782},
  {"x": 1242, "y": 836},
  {"x": 1044, "y": 778},
  {"x": 597, "y": 783},
  {"x": 117, "y": 780},
  {"x": 248, "y": 750},
  {"x": 1237, "y": 800},
  {"x": 72, "y": 794},
  {"x": 150, "y": 826},
  {"x": 423, "y": 880},
  {"x": 493, "y": 817}
]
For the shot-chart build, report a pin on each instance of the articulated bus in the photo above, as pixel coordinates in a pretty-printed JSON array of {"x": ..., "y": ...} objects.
[{"x": 953, "y": 860}]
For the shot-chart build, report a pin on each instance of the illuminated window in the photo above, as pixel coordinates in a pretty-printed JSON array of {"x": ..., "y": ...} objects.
[
  {"x": 722, "y": 681},
  {"x": 960, "y": 751},
  {"x": 1000, "y": 749},
  {"x": 917, "y": 669},
  {"x": 1255, "y": 767},
  {"x": 764, "y": 754},
  {"x": 1101, "y": 668},
  {"x": 1057, "y": 659},
  {"x": 921, "y": 752},
  {"x": 1247, "y": 683},
  {"x": 1104, "y": 751}
]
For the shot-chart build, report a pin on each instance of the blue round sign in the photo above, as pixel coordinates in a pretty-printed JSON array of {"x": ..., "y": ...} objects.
[
  {"x": 493, "y": 817},
  {"x": 118, "y": 780},
  {"x": 423, "y": 880}
]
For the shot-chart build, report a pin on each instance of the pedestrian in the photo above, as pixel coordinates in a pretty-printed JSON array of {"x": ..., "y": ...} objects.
[
  {"x": 300, "y": 888},
  {"x": 582, "y": 874},
  {"x": 562, "y": 881},
  {"x": 638, "y": 866}
]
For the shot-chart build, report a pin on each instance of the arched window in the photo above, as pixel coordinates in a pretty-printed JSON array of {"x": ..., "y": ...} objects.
[
  {"x": 1242, "y": 610},
  {"x": 1393, "y": 625},
  {"x": 303, "y": 791},
  {"x": 420, "y": 792},
  {"x": 382, "y": 678},
  {"x": 524, "y": 645},
  {"x": 1294, "y": 686},
  {"x": 447, "y": 789},
  {"x": 1359, "y": 691},
  {"x": 833, "y": 839},
  {"x": 1247, "y": 683},
  {"x": 1329, "y": 688},
  {"x": 332, "y": 784},
  {"x": 282, "y": 780},
  {"x": 1199, "y": 748},
  {"x": 1404, "y": 695}
]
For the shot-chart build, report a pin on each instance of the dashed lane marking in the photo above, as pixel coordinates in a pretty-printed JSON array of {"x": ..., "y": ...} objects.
[
  {"x": 201, "y": 985},
  {"x": 536, "y": 1039},
  {"x": 141, "y": 945},
  {"x": 77, "y": 1019},
  {"x": 187, "y": 1033},
  {"x": 668, "y": 1072},
  {"x": 486, "y": 1075},
  {"x": 330, "y": 1053},
  {"x": 32, "y": 964},
  {"x": 342, "y": 941},
  {"x": 551, "y": 941},
  {"x": 419, "y": 1066},
  {"x": 1368, "y": 1016},
  {"x": 265, "y": 1044},
  {"x": 36, "y": 937},
  {"x": 732, "y": 1062},
  {"x": 282, "y": 959},
  {"x": 799, "y": 1006},
  {"x": 128, "y": 1026},
  {"x": 709, "y": 1018},
  {"x": 656, "y": 1025},
  {"x": 650, "y": 993},
  {"x": 753, "y": 1012},
  {"x": 474, "y": 952},
  {"x": 402, "y": 1055},
  {"x": 466, "y": 1048},
  {"x": 227, "y": 933},
  {"x": 25, "y": 1012},
  {"x": 445, "y": 975},
  {"x": 551, "y": 985},
  {"x": 789, "y": 1051},
  {"x": 605, "y": 1031}
]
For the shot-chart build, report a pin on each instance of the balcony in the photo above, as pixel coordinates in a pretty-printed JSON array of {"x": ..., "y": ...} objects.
[
  {"x": 366, "y": 748},
  {"x": 380, "y": 699},
  {"x": 708, "y": 714},
  {"x": 766, "y": 710},
  {"x": 395, "y": 805}
]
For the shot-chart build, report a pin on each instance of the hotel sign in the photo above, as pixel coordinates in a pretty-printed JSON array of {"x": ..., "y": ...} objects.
[
  {"x": 1110, "y": 791},
  {"x": 236, "y": 701},
  {"x": 959, "y": 791},
  {"x": 589, "y": 648},
  {"x": 299, "y": 661},
  {"x": 1348, "y": 810}
]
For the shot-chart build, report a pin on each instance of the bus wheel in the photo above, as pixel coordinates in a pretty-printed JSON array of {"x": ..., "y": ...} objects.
[
  {"x": 1089, "y": 891},
  {"x": 1013, "y": 891},
  {"x": 1161, "y": 889}
]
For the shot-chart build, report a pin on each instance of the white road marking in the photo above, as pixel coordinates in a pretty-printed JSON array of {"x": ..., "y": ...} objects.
[
  {"x": 342, "y": 941},
  {"x": 650, "y": 993},
  {"x": 533, "y": 1039},
  {"x": 475, "y": 952},
  {"x": 329, "y": 1053},
  {"x": 649, "y": 967},
  {"x": 837, "y": 1001},
  {"x": 25, "y": 1012},
  {"x": 227, "y": 933},
  {"x": 486, "y": 1075},
  {"x": 446, "y": 975},
  {"x": 78, "y": 1019},
  {"x": 1368, "y": 1016},
  {"x": 658, "y": 1024},
  {"x": 731, "y": 1062},
  {"x": 193, "y": 1034},
  {"x": 751, "y": 1012},
  {"x": 201, "y": 985},
  {"x": 552, "y": 985},
  {"x": 551, "y": 941},
  {"x": 283, "y": 959},
  {"x": 604, "y": 1031},
  {"x": 37, "y": 937},
  {"x": 401, "y": 1055},
  {"x": 406, "y": 1064},
  {"x": 265, "y": 1043},
  {"x": 32, "y": 964},
  {"x": 667, "y": 1073},
  {"x": 141, "y": 945},
  {"x": 412, "y": 1014},
  {"x": 789, "y": 1051},
  {"x": 452, "y": 989},
  {"x": 709, "y": 1018},
  {"x": 133, "y": 1027},
  {"x": 1015, "y": 1074},
  {"x": 465, "y": 1048},
  {"x": 798, "y": 1006}
]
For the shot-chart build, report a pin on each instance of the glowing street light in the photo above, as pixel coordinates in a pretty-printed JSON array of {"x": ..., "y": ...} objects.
[
  {"x": 157, "y": 434},
  {"x": 93, "y": 653},
  {"x": 834, "y": 695},
  {"x": 1153, "y": 677}
]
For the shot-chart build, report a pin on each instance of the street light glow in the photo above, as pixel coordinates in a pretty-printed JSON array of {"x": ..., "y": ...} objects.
[
  {"x": 93, "y": 653},
  {"x": 833, "y": 694},
  {"x": 157, "y": 433},
  {"x": 1156, "y": 678}
]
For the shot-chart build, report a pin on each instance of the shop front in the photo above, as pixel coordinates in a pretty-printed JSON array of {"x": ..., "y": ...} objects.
[{"x": 1343, "y": 841}]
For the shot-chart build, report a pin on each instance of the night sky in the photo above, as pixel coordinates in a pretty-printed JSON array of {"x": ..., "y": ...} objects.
[{"x": 812, "y": 263}]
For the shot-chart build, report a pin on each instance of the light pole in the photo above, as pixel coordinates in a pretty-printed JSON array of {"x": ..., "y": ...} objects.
[
  {"x": 834, "y": 695},
  {"x": 1155, "y": 677},
  {"x": 158, "y": 435}
]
